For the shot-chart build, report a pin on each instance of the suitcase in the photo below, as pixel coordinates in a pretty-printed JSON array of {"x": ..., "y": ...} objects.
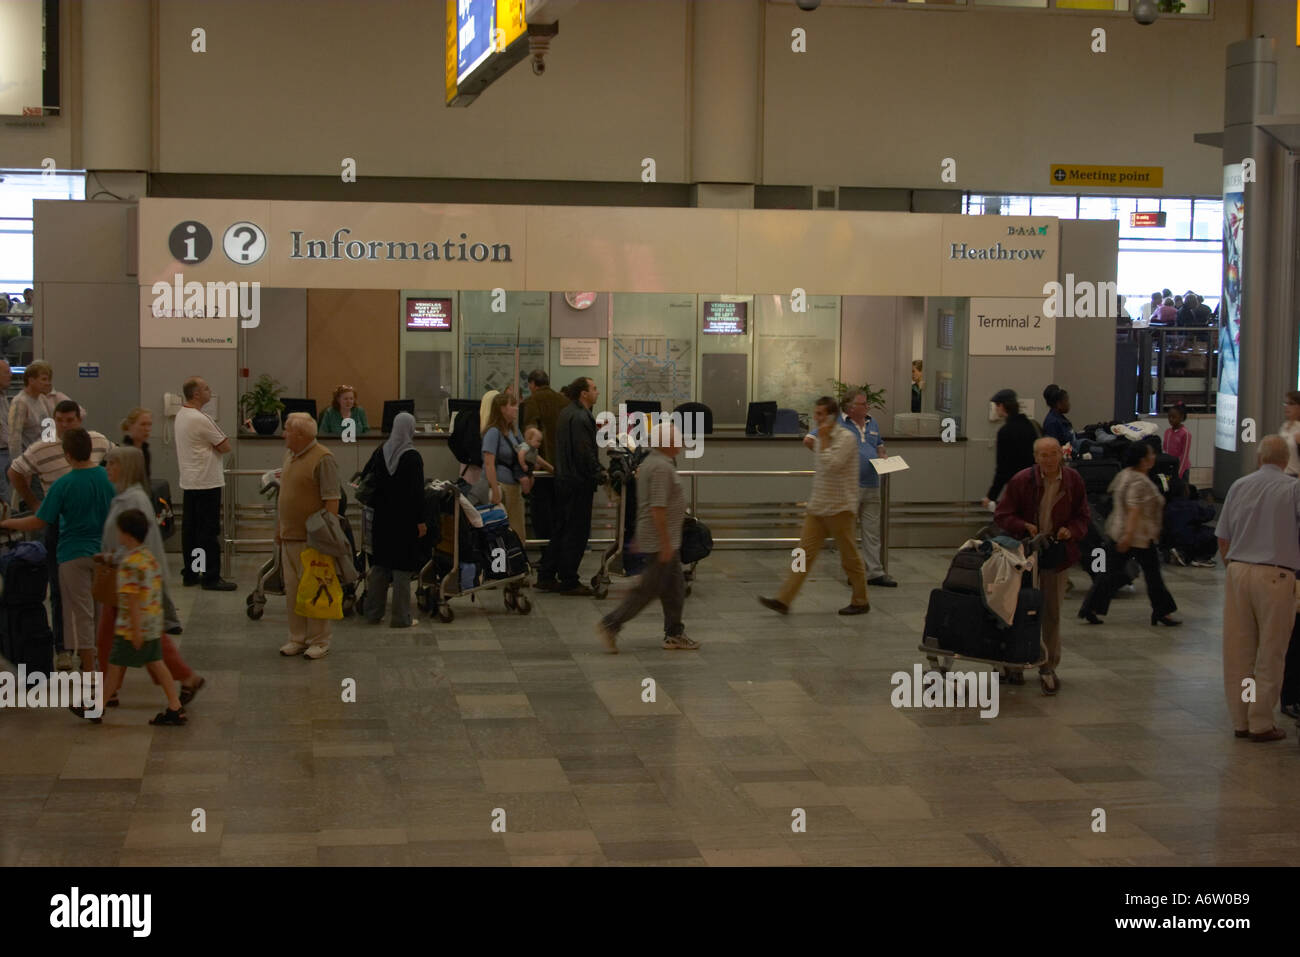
[
  {"x": 24, "y": 575},
  {"x": 26, "y": 638},
  {"x": 1097, "y": 474},
  {"x": 959, "y": 623}
]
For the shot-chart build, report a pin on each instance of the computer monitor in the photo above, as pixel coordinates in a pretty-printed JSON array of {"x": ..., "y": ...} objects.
[
  {"x": 392, "y": 407},
  {"x": 643, "y": 405},
  {"x": 455, "y": 406},
  {"x": 758, "y": 421},
  {"x": 297, "y": 405}
]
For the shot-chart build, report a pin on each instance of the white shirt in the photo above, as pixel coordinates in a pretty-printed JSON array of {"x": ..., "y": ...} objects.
[
  {"x": 200, "y": 464},
  {"x": 1289, "y": 431}
]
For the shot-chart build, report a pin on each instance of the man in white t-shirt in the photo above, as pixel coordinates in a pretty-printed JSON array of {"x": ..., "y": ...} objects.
[{"x": 200, "y": 444}]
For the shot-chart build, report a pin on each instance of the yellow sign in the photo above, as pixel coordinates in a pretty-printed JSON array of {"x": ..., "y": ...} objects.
[
  {"x": 451, "y": 50},
  {"x": 510, "y": 24},
  {"x": 1115, "y": 177}
]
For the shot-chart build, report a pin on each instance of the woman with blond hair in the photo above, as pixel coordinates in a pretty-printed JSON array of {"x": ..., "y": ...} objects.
[
  {"x": 136, "y": 429},
  {"x": 125, "y": 466},
  {"x": 501, "y": 465},
  {"x": 342, "y": 406}
]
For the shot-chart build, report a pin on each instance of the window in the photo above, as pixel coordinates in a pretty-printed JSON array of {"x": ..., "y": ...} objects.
[{"x": 18, "y": 190}]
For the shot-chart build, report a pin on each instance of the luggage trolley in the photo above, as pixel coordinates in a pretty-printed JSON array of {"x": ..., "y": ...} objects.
[
  {"x": 941, "y": 659},
  {"x": 434, "y": 589},
  {"x": 270, "y": 577}
]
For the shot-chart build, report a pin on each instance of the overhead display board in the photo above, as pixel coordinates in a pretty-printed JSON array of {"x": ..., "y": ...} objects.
[{"x": 484, "y": 39}]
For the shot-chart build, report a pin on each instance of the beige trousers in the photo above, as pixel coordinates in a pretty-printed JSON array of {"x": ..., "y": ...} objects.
[
  {"x": 302, "y": 631},
  {"x": 816, "y": 528},
  {"x": 512, "y": 500},
  {"x": 1052, "y": 585},
  {"x": 1258, "y": 615}
]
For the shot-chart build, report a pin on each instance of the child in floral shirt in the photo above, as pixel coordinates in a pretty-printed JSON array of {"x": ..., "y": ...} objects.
[{"x": 137, "y": 641}]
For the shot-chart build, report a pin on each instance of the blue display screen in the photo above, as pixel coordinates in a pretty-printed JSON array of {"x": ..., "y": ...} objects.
[{"x": 475, "y": 20}]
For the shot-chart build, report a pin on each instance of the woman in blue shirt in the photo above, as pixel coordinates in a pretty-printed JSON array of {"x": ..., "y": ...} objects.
[
  {"x": 501, "y": 465},
  {"x": 1056, "y": 424}
]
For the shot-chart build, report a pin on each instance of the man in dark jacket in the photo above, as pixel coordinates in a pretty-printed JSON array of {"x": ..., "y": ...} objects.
[
  {"x": 1052, "y": 500},
  {"x": 577, "y": 470},
  {"x": 542, "y": 411},
  {"x": 1015, "y": 442}
]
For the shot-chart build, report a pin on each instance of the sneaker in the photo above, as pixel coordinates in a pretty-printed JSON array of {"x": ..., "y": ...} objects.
[
  {"x": 67, "y": 661},
  {"x": 1291, "y": 711},
  {"x": 219, "y": 585},
  {"x": 680, "y": 643},
  {"x": 291, "y": 648},
  {"x": 1204, "y": 563},
  {"x": 316, "y": 652},
  {"x": 608, "y": 637},
  {"x": 1177, "y": 557},
  {"x": 855, "y": 609},
  {"x": 775, "y": 605}
]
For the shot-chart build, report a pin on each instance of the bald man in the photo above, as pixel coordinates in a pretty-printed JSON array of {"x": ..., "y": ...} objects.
[
  {"x": 1259, "y": 540},
  {"x": 1050, "y": 499}
]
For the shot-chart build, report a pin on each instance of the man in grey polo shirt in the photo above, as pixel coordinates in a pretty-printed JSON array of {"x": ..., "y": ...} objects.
[
  {"x": 1259, "y": 540},
  {"x": 660, "y": 513}
]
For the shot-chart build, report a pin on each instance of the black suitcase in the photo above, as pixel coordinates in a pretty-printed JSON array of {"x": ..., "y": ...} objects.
[
  {"x": 1097, "y": 474},
  {"x": 26, "y": 638},
  {"x": 959, "y": 623},
  {"x": 24, "y": 583}
]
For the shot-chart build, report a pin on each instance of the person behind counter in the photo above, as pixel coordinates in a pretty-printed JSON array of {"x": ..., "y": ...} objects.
[{"x": 343, "y": 406}]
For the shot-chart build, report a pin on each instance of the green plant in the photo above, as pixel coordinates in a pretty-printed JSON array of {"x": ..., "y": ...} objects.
[
  {"x": 875, "y": 397},
  {"x": 263, "y": 398},
  {"x": 1171, "y": 6}
]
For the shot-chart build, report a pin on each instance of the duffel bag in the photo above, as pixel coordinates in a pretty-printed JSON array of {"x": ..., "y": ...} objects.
[{"x": 697, "y": 541}]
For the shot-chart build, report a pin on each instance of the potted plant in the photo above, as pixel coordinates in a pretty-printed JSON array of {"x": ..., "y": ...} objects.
[
  {"x": 262, "y": 404},
  {"x": 875, "y": 397}
]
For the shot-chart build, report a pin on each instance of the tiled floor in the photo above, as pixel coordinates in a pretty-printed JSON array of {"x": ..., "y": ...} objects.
[{"x": 501, "y": 739}]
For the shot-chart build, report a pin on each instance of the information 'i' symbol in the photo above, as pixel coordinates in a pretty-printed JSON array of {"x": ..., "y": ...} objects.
[{"x": 190, "y": 242}]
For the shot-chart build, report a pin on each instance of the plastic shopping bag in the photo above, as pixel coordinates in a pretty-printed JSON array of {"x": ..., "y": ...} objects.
[{"x": 320, "y": 595}]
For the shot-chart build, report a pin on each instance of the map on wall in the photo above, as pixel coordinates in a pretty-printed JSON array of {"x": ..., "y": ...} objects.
[
  {"x": 490, "y": 362},
  {"x": 794, "y": 371},
  {"x": 651, "y": 368}
]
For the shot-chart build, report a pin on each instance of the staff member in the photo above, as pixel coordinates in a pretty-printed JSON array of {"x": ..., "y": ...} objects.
[
  {"x": 866, "y": 433},
  {"x": 309, "y": 482},
  {"x": 542, "y": 410},
  {"x": 343, "y": 406},
  {"x": 577, "y": 467},
  {"x": 831, "y": 508},
  {"x": 200, "y": 444},
  {"x": 1259, "y": 539},
  {"x": 1015, "y": 443},
  {"x": 1040, "y": 499}
]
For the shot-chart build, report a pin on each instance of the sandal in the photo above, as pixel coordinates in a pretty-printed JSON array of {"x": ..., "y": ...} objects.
[
  {"x": 188, "y": 694},
  {"x": 170, "y": 717},
  {"x": 112, "y": 702},
  {"x": 81, "y": 713}
]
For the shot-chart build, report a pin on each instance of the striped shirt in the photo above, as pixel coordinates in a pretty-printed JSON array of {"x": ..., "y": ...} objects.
[
  {"x": 25, "y": 417},
  {"x": 657, "y": 487},
  {"x": 46, "y": 459},
  {"x": 835, "y": 484}
]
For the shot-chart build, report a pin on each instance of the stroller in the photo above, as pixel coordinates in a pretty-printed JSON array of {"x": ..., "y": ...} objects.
[
  {"x": 270, "y": 577},
  {"x": 469, "y": 558}
]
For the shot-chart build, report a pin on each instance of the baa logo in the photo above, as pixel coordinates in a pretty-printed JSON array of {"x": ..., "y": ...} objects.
[{"x": 1026, "y": 230}]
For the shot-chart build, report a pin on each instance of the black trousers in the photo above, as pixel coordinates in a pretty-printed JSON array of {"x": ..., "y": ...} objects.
[
  {"x": 56, "y": 593},
  {"x": 573, "y": 530},
  {"x": 541, "y": 506},
  {"x": 1106, "y": 585},
  {"x": 201, "y": 528},
  {"x": 1291, "y": 675}
]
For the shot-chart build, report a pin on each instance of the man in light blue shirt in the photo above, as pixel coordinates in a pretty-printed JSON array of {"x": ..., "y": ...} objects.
[
  {"x": 870, "y": 446},
  {"x": 1259, "y": 540}
]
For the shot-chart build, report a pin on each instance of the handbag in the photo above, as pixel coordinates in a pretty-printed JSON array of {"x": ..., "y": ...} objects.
[
  {"x": 365, "y": 486},
  {"x": 160, "y": 494},
  {"x": 320, "y": 594},
  {"x": 104, "y": 587}
]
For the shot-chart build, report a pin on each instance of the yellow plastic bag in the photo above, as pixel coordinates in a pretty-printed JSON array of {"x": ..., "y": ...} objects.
[{"x": 320, "y": 595}]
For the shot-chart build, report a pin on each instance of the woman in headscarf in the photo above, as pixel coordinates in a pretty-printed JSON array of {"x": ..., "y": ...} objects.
[
  {"x": 396, "y": 532},
  {"x": 126, "y": 470}
]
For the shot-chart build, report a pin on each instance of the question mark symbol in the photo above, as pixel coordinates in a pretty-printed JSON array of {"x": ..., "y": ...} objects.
[{"x": 252, "y": 238}]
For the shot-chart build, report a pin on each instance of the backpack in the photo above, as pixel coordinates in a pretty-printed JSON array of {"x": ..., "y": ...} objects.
[{"x": 466, "y": 441}]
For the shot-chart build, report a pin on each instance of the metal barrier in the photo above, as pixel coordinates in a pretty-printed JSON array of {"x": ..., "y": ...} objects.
[{"x": 230, "y": 508}]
